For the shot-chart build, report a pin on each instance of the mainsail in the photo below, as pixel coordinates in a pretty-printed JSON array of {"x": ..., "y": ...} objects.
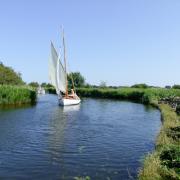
[
  {"x": 57, "y": 74},
  {"x": 61, "y": 77}
]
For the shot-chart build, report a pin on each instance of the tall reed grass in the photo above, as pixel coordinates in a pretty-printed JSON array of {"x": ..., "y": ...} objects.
[
  {"x": 16, "y": 95},
  {"x": 146, "y": 96}
]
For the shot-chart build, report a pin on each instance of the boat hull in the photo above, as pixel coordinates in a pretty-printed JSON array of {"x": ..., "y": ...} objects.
[{"x": 69, "y": 102}]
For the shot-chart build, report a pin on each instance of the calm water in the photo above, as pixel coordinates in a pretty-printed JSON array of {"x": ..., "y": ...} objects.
[{"x": 102, "y": 139}]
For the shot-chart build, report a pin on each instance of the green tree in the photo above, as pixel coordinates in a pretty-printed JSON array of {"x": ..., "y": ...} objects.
[
  {"x": 140, "y": 86},
  {"x": 79, "y": 80},
  {"x": 34, "y": 84},
  {"x": 43, "y": 84},
  {"x": 46, "y": 85},
  {"x": 9, "y": 76},
  {"x": 176, "y": 86}
]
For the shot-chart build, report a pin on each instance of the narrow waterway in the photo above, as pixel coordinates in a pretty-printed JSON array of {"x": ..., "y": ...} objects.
[{"x": 102, "y": 139}]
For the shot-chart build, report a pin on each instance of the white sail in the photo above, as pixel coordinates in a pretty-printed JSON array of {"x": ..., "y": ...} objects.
[
  {"x": 58, "y": 78},
  {"x": 56, "y": 72},
  {"x": 61, "y": 77}
]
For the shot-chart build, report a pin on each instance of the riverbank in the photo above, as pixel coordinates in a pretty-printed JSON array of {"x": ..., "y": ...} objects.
[
  {"x": 142, "y": 95},
  {"x": 16, "y": 95},
  {"x": 146, "y": 96},
  {"x": 164, "y": 162}
]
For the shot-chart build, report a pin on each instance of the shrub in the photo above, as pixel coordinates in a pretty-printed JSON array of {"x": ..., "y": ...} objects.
[
  {"x": 178, "y": 109},
  {"x": 176, "y": 86}
]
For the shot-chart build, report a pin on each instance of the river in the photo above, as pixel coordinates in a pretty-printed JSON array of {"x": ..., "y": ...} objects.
[{"x": 102, "y": 139}]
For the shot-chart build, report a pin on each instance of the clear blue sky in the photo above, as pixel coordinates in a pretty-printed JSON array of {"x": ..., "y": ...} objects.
[{"x": 122, "y": 42}]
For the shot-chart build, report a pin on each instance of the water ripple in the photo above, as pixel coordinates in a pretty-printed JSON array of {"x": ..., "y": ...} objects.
[{"x": 103, "y": 139}]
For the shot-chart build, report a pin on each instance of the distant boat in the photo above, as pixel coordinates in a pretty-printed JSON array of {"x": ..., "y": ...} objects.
[
  {"x": 41, "y": 90},
  {"x": 58, "y": 78}
]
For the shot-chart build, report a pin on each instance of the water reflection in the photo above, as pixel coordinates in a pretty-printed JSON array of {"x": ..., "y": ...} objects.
[{"x": 71, "y": 108}]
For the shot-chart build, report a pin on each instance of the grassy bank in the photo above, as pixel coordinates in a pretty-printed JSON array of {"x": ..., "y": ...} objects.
[
  {"x": 164, "y": 162},
  {"x": 16, "y": 95},
  {"x": 146, "y": 96}
]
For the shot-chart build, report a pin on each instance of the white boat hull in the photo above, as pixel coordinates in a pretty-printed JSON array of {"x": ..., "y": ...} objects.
[{"x": 68, "y": 102}]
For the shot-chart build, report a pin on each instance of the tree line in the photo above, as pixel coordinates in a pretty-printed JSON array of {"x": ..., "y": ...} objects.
[{"x": 8, "y": 76}]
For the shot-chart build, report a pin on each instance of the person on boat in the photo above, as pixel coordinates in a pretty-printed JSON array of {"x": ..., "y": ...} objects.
[
  {"x": 73, "y": 95},
  {"x": 72, "y": 92}
]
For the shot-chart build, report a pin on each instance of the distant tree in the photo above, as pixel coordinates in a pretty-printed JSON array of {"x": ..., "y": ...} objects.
[
  {"x": 43, "y": 84},
  {"x": 176, "y": 86},
  {"x": 102, "y": 84},
  {"x": 49, "y": 85},
  {"x": 140, "y": 86},
  {"x": 87, "y": 85},
  {"x": 9, "y": 76},
  {"x": 168, "y": 87},
  {"x": 46, "y": 85},
  {"x": 34, "y": 84},
  {"x": 79, "y": 80}
]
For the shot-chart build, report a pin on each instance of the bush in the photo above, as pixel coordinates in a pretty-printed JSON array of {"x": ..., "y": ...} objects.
[
  {"x": 178, "y": 109},
  {"x": 176, "y": 86},
  {"x": 170, "y": 157}
]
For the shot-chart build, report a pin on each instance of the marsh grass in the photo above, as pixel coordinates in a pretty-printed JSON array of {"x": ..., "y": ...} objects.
[
  {"x": 146, "y": 96},
  {"x": 123, "y": 93},
  {"x": 16, "y": 95},
  {"x": 164, "y": 162},
  {"x": 151, "y": 168}
]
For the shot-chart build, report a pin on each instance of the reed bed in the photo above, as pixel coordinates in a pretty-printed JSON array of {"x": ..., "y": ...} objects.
[
  {"x": 16, "y": 95},
  {"x": 146, "y": 96}
]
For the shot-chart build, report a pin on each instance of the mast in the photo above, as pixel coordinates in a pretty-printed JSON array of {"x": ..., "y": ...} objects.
[
  {"x": 65, "y": 68},
  {"x": 73, "y": 83}
]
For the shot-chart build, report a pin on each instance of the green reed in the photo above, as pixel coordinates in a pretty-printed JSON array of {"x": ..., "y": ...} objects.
[{"x": 14, "y": 95}]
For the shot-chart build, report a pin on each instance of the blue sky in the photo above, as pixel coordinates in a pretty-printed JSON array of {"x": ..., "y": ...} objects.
[{"x": 122, "y": 42}]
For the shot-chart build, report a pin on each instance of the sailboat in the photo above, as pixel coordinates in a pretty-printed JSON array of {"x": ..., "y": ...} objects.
[{"x": 58, "y": 78}]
